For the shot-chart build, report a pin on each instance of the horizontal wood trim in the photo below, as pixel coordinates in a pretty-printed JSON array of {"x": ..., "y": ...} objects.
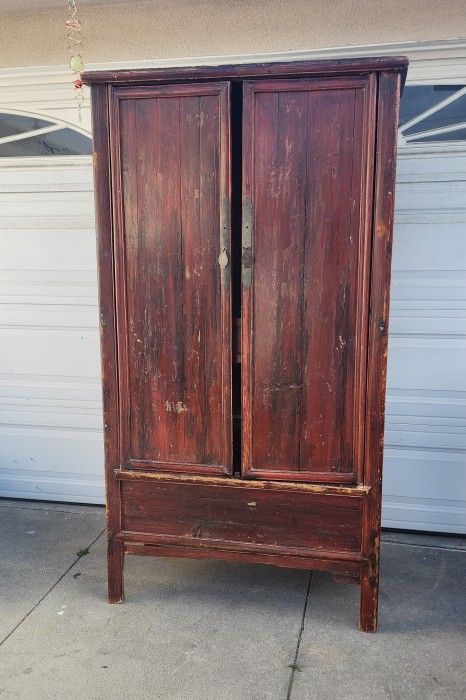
[
  {"x": 182, "y": 467},
  {"x": 345, "y": 82},
  {"x": 343, "y": 567},
  {"x": 256, "y": 547},
  {"x": 251, "y": 70},
  {"x": 171, "y": 90},
  {"x": 356, "y": 491},
  {"x": 307, "y": 476}
]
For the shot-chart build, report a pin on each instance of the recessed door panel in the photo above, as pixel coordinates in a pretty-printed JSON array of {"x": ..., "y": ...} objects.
[
  {"x": 307, "y": 159},
  {"x": 172, "y": 265}
]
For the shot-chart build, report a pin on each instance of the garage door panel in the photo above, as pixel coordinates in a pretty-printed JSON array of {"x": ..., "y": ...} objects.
[
  {"x": 426, "y": 419},
  {"x": 42, "y": 249},
  {"x": 27, "y": 222},
  {"x": 51, "y": 438},
  {"x": 423, "y": 403},
  {"x": 68, "y": 202},
  {"x": 51, "y": 446},
  {"x": 433, "y": 322},
  {"x": 424, "y": 465},
  {"x": 436, "y": 202},
  {"x": 425, "y": 439},
  {"x": 430, "y": 166},
  {"x": 37, "y": 467},
  {"x": 433, "y": 434},
  {"x": 47, "y": 294},
  {"x": 57, "y": 178},
  {"x": 77, "y": 415},
  {"x": 49, "y": 390},
  {"x": 57, "y": 317},
  {"x": 433, "y": 255},
  {"x": 67, "y": 352},
  {"x": 427, "y": 363},
  {"x": 424, "y": 490}
]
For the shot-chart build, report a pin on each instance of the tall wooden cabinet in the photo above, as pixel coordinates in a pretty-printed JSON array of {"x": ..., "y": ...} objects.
[{"x": 244, "y": 218}]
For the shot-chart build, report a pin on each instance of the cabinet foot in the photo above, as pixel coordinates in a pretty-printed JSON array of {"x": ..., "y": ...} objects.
[
  {"x": 115, "y": 559},
  {"x": 369, "y": 601}
]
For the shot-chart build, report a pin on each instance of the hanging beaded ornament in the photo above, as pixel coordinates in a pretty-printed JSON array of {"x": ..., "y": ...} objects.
[{"x": 75, "y": 48}]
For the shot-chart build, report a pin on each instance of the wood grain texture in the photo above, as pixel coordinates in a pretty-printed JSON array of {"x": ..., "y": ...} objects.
[
  {"x": 171, "y": 160},
  {"x": 345, "y": 567},
  {"x": 306, "y": 149},
  {"x": 275, "y": 69},
  {"x": 384, "y": 198},
  {"x": 355, "y": 491},
  {"x": 259, "y": 520},
  {"x": 109, "y": 359}
]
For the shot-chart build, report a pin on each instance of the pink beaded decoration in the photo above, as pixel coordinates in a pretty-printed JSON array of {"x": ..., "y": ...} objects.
[{"x": 75, "y": 48}]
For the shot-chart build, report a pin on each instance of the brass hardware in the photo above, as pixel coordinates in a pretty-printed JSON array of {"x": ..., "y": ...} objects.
[
  {"x": 223, "y": 259},
  {"x": 247, "y": 256}
]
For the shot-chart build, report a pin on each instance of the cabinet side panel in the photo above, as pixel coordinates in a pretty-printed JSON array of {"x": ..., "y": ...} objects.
[
  {"x": 105, "y": 244},
  {"x": 174, "y": 300},
  {"x": 384, "y": 194}
]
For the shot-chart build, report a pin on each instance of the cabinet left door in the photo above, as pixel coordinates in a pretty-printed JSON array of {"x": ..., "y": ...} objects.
[{"x": 170, "y": 162}]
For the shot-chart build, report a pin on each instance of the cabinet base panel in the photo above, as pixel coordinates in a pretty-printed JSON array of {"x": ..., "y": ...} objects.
[
  {"x": 332, "y": 529},
  {"x": 345, "y": 568},
  {"x": 343, "y": 571}
]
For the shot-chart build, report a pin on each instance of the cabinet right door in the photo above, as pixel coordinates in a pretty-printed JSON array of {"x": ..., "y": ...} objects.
[{"x": 308, "y": 150}]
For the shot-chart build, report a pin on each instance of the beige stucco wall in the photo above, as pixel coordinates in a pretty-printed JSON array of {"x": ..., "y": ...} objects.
[{"x": 187, "y": 28}]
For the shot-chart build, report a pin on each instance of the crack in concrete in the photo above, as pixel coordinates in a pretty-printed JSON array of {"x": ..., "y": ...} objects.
[
  {"x": 294, "y": 665},
  {"x": 36, "y": 605}
]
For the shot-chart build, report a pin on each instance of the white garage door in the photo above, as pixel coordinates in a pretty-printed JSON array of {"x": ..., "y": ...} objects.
[
  {"x": 50, "y": 412},
  {"x": 425, "y": 454},
  {"x": 50, "y": 403}
]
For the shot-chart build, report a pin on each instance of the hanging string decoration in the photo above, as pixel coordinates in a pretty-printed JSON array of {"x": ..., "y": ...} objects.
[{"x": 75, "y": 48}]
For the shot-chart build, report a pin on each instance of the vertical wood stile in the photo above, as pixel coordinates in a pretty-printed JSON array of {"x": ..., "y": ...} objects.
[
  {"x": 107, "y": 316},
  {"x": 384, "y": 194}
]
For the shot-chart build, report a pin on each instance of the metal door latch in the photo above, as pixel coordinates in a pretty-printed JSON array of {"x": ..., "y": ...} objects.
[{"x": 223, "y": 259}]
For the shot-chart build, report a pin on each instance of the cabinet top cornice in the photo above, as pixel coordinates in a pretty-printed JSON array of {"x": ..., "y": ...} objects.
[{"x": 240, "y": 71}]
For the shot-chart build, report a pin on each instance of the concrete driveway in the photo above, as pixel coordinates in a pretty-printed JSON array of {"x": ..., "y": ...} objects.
[{"x": 213, "y": 630}]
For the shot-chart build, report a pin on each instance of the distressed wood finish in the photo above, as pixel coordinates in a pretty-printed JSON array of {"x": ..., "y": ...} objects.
[
  {"x": 233, "y": 482},
  {"x": 306, "y": 249},
  {"x": 171, "y": 165},
  {"x": 109, "y": 362},
  {"x": 384, "y": 202},
  {"x": 242, "y": 71},
  {"x": 345, "y": 567},
  {"x": 316, "y": 213},
  {"x": 205, "y": 515}
]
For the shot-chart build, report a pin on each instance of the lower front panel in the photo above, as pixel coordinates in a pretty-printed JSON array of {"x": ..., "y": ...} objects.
[{"x": 265, "y": 519}]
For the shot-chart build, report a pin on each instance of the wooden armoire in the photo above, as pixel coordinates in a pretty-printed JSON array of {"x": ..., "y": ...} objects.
[{"x": 244, "y": 218}]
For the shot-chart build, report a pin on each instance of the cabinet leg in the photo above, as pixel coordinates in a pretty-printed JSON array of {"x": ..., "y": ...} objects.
[
  {"x": 115, "y": 559},
  {"x": 369, "y": 599}
]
